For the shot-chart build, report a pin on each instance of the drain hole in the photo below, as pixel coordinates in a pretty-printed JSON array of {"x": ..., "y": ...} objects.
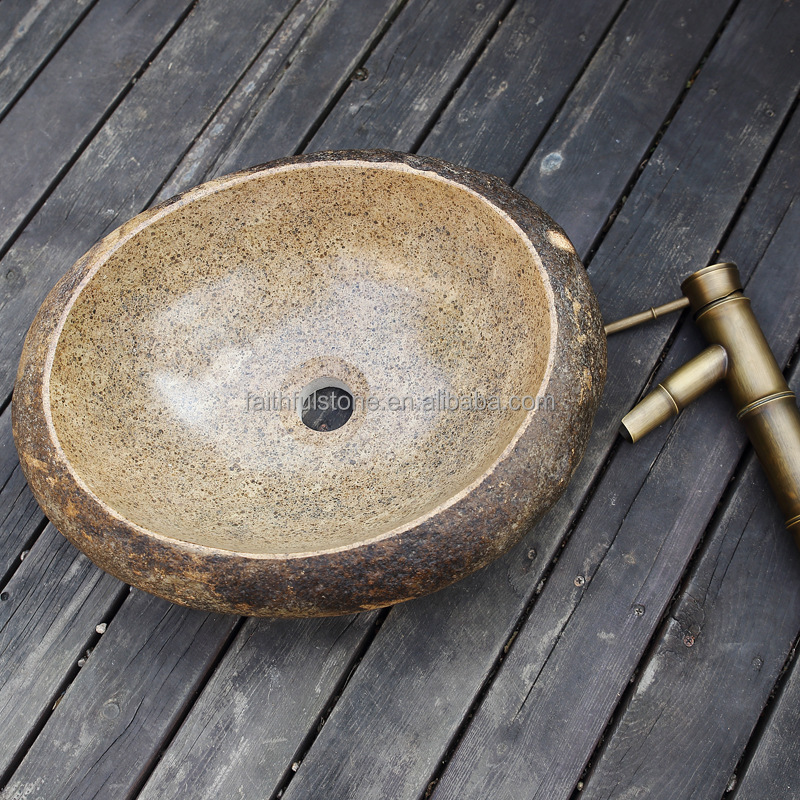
[{"x": 327, "y": 404}]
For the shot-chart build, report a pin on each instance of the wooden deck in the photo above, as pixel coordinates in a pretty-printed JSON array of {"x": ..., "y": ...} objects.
[{"x": 640, "y": 641}]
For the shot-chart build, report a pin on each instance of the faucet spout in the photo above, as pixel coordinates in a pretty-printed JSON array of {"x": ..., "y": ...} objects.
[{"x": 672, "y": 395}]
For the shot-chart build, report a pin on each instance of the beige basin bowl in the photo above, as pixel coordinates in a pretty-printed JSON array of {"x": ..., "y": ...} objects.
[{"x": 326, "y": 384}]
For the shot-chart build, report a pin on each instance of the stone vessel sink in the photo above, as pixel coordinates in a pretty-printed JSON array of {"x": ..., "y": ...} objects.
[{"x": 181, "y": 407}]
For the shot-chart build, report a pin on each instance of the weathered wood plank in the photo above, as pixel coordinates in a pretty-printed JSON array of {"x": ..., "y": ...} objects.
[
  {"x": 409, "y": 76},
  {"x": 777, "y": 189},
  {"x": 553, "y": 695},
  {"x": 117, "y": 714},
  {"x": 20, "y": 516},
  {"x": 424, "y": 705},
  {"x": 268, "y": 693},
  {"x": 80, "y": 85},
  {"x": 48, "y": 613},
  {"x": 198, "y": 161},
  {"x": 21, "y": 520},
  {"x": 29, "y": 33},
  {"x": 123, "y": 167},
  {"x": 721, "y": 676},
  {"x": 567, "y": 175},
  {"x": 774, "y": 770},
  {"x": 287, "y": 112},
  {"x": 268, "y": 114},
  {"x": 518, "y": 84}
]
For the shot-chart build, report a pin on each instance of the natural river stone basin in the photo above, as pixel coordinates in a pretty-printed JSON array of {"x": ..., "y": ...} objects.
[{"x": 160, "y": 398}]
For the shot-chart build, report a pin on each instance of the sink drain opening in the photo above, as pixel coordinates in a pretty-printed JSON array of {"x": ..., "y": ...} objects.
[{"x": 326, "y": 404}]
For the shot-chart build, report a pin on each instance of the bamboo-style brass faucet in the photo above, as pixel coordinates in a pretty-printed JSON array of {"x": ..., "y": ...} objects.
[{"x": 739, "y": 353}]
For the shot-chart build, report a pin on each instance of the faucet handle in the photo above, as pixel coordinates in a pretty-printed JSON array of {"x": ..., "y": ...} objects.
[{"x": 645, "y": 316}]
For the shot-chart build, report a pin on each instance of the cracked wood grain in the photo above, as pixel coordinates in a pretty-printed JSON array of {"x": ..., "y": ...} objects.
[
  {"x": 62, "y": 109},
  {"x": 31, "y": 32},
  {"x": 112, "y": 721}
]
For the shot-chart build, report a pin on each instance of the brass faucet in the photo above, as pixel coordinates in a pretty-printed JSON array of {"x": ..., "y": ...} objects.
[{"x": 740, "y": 355}]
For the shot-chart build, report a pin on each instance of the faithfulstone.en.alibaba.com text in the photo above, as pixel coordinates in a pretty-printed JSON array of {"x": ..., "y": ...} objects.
[{"x": 441, "y": 402}]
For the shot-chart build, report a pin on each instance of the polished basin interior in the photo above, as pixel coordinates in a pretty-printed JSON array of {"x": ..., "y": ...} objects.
[{"x": 178, "y": 378}]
